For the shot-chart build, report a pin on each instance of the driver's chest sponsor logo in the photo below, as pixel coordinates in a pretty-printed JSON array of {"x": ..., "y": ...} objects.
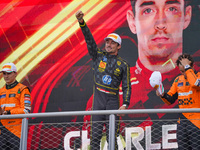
[
  {"x": 117, "y": 72},
  {"x": 102, "y": 64},
  {"x": 107, "y": 79},
  {"x": 180, "y": 84},
  {"x": 12, "y": 95},
  {"x": 3, "y": 96}
]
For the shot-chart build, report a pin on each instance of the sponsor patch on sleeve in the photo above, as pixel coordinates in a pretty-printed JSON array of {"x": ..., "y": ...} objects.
[
  {"x": 197, "y": 83},
  {"x": 27, "y": 95},
  {"x": 27, "y": 105},
  {"x": 27, "y": 102},
  {"x": 27, "y": 98},
  {"x": 26, "y": 111}
]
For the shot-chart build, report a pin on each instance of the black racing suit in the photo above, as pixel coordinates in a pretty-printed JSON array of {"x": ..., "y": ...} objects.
[{"x": 109, "y": 71}]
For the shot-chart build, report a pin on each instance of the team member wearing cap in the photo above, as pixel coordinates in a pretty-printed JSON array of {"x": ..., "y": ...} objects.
[
  {"x": 15, "y": 98},
  {"x": 109, "y": 71}
]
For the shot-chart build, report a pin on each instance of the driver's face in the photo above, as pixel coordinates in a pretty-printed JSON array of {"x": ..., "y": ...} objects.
[{"x": 159, "y": 26}]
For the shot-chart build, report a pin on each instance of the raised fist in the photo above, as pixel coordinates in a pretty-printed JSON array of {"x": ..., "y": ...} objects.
[{"x": 79, "y": 15}]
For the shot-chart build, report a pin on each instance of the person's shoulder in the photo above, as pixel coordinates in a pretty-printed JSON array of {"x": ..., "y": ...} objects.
[
  {"x": 22, "y": 87},
  {"x": 100, "y": 51},
  {"x": 197, "y": 74},
  {"x": 2, "y": 88},
  {"x": 178, "y": 78},
  {"x": 123, "y": 61}
]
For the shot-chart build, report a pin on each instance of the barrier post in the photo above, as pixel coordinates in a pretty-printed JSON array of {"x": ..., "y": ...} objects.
[
  {"x": 111, "y": 143},
  {"x": 24, "y": 134}
]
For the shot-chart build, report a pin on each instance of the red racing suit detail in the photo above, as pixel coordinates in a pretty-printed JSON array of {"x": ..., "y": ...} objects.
[{"x": 17, "y": 100}]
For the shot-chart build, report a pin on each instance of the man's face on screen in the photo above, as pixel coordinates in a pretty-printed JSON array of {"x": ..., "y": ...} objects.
[{"x": 159, "y": 26}]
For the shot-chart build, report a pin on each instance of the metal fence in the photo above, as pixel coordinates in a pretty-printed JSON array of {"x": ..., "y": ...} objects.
[{"x": 133, "y": 134}]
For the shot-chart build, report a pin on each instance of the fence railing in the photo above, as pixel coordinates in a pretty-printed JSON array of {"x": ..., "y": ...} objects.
[{"x": 134, "y": 134}]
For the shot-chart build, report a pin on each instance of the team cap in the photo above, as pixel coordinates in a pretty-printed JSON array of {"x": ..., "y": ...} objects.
[
  {"x": 115, "y": 37},
  {"x": 9, "y": 67}
]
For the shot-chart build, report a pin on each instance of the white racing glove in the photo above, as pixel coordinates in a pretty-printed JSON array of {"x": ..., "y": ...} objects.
[{"x": 156, "y": 82}]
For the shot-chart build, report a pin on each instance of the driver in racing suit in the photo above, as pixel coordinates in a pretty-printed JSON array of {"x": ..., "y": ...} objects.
[
  {"x": 15, "y": 98},
  {"x": 109, "y": 71},
  {"x": 186, "y": 88}
]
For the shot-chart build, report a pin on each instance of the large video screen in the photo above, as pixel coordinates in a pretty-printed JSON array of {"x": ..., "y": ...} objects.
[{"x": 44, "y": 40}]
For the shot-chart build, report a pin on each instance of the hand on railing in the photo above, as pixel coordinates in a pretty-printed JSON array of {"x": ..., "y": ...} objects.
[
  {"x": 2, "y": 110},
  {"x": 121, "y": 108}
]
